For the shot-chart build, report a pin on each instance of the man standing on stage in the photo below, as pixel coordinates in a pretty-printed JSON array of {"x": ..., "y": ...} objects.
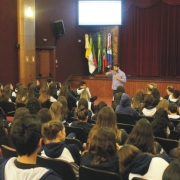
[{"x": 118, "y": 77}]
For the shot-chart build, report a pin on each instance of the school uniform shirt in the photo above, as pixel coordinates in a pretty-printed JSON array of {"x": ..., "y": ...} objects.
[{"x": 12, "y": 169}]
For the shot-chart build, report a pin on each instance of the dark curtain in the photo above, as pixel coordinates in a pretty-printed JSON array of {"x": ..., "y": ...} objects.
[{"x": 150, "y": 38}]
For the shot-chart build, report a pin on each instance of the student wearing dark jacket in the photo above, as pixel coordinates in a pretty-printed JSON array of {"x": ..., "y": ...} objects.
[
  {"x": 25, "y": 135},
  {"x": 124, "y": 106}
]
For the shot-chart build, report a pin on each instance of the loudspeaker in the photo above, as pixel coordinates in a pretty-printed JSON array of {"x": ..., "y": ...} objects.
[{"x": 59, "y": 28}]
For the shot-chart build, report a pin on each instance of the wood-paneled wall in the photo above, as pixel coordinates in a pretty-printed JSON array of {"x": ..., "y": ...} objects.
[{"x": 102, "y": 86}]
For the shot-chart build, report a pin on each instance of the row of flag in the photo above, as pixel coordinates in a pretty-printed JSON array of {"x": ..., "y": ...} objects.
[{"x": 104, "y": 53}]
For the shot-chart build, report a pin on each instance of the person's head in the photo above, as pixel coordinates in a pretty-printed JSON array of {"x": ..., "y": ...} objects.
[
  {"x": 138, "y": 98},
  {"x": 31, "y": 90},
  {"x": 173, "y": 108},
  {"x": 33, "y": 105},
  {"x": 85, "y": 94},
  {"x": 169, "y": 89},
  {"x": 125, "y": 100},
  {"x": 56, "y": 110},
  {"x": 44, "y": 94},
  {"x": 21, "y": 111},
  {"x": 150, "y": 87},
  {"x": 25, "y": 135},
  {"x": 155, "y": 93},
  {"x": 125, "y": 155},
  {"x": 172, "y": 171},
  {"x": 64, "y": 91},
  {"x": 82, "y": 84},
  {"x": 142, "y": 136},
  {"x": 148, "y": 100},
  {"x": 117, "y": 99},
  {"x": 175, "y": 153},
  {"x": 1, "y": 86},
  {"x": 176, "y": 94},
  {"x": 22, "y": 96},
  {"x": 100, "y": 105},
  {"x": 49, "y": 81},
  {"x": 83, "y": 102},
  {"x": 116, "y": 67},
  {"x": 82, "y": 114},
  {"x": 53, "y": 131},
  {"x": 53, "y": 89},
  {"x": 120, "y": 89},
  {"x": 6, "y": 93},
  {"x": 102, "y": 145},
  {"x": 37, "y": 82},
  {"x": 163, "y": 104},
  {"x": 44, "y": 115}
]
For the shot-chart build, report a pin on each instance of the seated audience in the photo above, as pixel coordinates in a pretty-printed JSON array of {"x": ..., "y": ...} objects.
[
  {"x": 115, "y": 103},
  {"x": 169, "y": 91},
  {"x": 148, "y": 109},
  {"x": 172, "y": 171},
  {"x": 156, "y": 96},
  {"x": 107, "y": 118},
  {"x": 119, "y": 89},
  {"x": 82, "y": 115},
  {"x": 101, "y": 152},
  {"x": 163, "y": 104},
  {"x": 44, "y": 98},
  {"x": 26, "y": 137},
  {"x": 173, "y": 111},
  {"x": 160, "y": 124},
  {"x": 98, "y": 107},
  {"x": 174, "y": 98},
  {"x": 83, "y": 86},
  {"x": 142, "y": 137},
  {"x": 124, "y": 106},
  {"x": 54, "y": 134},
  {"x": 21, "y": 111},
  {"x": 33, "y": 105},
  {"x": 134, "y": 163},
  {"x": 175, "y": 152},
  {"x": 53, "y": 92},
  {"x": 44, "y": 115}
]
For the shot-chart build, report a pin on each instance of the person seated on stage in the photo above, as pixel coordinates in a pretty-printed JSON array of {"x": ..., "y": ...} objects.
[
  {"x": 172, "y": 171},
  {"x": 82, "y": 86},
  {"x": 26, "y": 138},
  {"x": 174, "y": 98},
  {"x": 102, "y": 151},
  {"x": 82, "y": 115},
  {"x": 134, "y": 163},
  {"x": 124, "y": 106},
  {"x": 107, "y": 118},
  {"x": 54, "y": 134},
  {"x": 160, "y": 124},
  {"x": 148, "y": 109},
  {"x": 142, "y": 137},
  {"x": 169, "y": 91}
]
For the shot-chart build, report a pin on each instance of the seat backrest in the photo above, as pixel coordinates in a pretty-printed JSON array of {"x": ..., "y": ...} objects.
[
  {"x": 167, "y": 144},
  {"x": 87, "y": 173},
  {"x": 125, "y": 118},
  {"x": 174, "y": 135},
  {"x": 149, "y": 118},
  {"x": 63, "y": 168},
  {"x": 80, "y": 133},
  {"x": 127, "y": 127},
  {"x": 74, "y": 141},
  {"x": 175, "y": 121},
  {"x": 8, "y": 152}
]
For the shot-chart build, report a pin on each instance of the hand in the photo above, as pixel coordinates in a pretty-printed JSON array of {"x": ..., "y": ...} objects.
[{"x": 116, "y": 77}]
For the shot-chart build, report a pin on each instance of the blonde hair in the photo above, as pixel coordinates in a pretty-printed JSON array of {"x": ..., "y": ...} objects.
[
  {"x": 85, "y": 95},
  {"x": 56, "y": 110}
]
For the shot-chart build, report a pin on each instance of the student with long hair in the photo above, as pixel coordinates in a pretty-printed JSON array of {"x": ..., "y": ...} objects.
[
  {"x": 134, "y": 163},
  {"x": 142, "y": 137},
  {"x": 54, "y": 134},
  {"x": 102, "y": 152},
  {"x": 160, "y": 124},
  {"x": 44, "y": 97},
  {"x": 44, "y": 115},
  {"x": 107, "y": 118}
]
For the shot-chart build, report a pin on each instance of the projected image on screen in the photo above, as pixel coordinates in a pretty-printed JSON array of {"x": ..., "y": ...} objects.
[{"x": 99, "y": 12}]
